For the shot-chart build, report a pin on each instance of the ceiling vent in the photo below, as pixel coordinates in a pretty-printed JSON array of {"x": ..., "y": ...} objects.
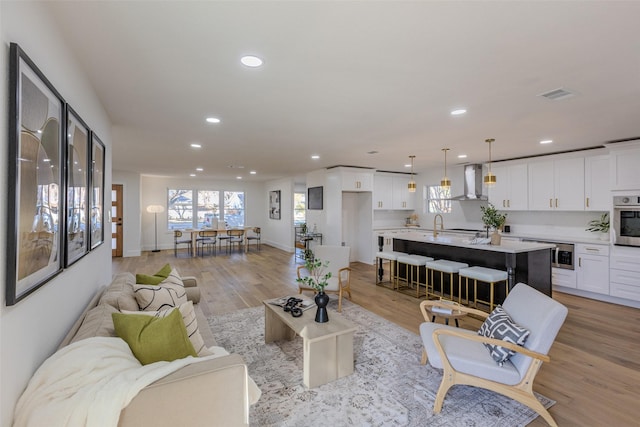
[{"x": 557, "y": 94}]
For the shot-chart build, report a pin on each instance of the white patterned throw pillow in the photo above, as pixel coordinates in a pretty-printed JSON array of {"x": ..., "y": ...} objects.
[
  {"x": 189, "y": 318},
  {"x": 500, "y": 326},
  {"x": 169, "y": 293}
]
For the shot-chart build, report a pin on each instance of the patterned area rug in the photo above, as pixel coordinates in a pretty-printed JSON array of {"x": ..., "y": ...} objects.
[{"x": 389, "y": 387}]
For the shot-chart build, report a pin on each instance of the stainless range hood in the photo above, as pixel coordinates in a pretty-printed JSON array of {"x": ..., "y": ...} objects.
[{"x": 472, "y": 184}]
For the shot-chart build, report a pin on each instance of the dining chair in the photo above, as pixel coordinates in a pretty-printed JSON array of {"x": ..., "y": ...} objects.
[
  {"x": 236, "y": 236},
  {"x": 255, "y": 236},
  {"x": 206, "y": 238},
  {"x": 178, "y": 240}
]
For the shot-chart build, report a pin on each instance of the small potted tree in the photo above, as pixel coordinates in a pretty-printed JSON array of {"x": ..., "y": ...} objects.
[{"x": 494, "y": 220}]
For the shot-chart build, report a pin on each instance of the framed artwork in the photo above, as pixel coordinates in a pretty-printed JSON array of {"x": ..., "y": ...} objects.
[
  {"x": 314, "y": 198},
  {"x": 274, "y": 204},
  {"x": 77, "y": 206},
  {"x": 96, "y": 196},
  {"x": 35, "y": 219}
]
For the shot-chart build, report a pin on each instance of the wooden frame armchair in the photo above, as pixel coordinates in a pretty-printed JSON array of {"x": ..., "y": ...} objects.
[
  {"x": 340, "y": 281},
  {"x": 465, "y": 360}
]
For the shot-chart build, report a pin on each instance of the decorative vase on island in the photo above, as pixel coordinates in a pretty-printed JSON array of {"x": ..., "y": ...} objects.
[
  {"x": 496, "y": 238},
  {"x": 322, "y": 300}
]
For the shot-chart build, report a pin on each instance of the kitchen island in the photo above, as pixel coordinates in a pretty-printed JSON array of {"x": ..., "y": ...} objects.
[{"x": 527, "y": 262}]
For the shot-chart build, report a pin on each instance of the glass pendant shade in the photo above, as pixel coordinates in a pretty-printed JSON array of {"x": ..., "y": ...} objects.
[
  {"x": 489, "y": 179},
  {"x": 445, "y": 182},
  {"x": 412, "y": 184}
]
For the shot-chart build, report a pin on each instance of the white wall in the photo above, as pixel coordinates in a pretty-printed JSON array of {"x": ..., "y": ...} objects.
[
  {"x": 31, "y": 330},
  {"x": 153, "y": 191},
  {"x": 131, "y": 212},
  {"x": 278, "y": 233}
]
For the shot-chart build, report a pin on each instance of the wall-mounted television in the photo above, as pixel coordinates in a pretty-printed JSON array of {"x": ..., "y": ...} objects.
[{"x": 314, "y": 198}]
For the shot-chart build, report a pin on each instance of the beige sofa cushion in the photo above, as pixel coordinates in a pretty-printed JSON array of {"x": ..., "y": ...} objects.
[
  {"x": 97, "y": 323},
  {"x": 119, "y": 293}
]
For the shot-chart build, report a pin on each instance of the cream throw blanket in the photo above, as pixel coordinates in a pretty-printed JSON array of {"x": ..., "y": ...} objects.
[{"x": 88, "y": 383}]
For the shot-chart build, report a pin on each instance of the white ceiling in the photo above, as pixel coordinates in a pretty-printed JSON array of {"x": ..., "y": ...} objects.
[{"x": 341, "y": 79}]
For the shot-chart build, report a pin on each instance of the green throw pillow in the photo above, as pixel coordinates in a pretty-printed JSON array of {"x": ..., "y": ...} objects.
[
  {"x": 154, "y": 339},
  {"x": 146, "y": 279}
]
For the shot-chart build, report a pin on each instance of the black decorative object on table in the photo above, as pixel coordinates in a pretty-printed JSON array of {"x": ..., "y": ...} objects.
[
  {"x": 322, "y": 300},
  {"x": 292, "y": 306}
]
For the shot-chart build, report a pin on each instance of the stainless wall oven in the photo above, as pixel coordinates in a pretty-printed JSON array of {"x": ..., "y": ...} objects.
[{"x": 626, "y": 220}]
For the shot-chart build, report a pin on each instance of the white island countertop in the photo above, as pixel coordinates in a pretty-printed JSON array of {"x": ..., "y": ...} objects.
[{"x": 506, "y": 246}]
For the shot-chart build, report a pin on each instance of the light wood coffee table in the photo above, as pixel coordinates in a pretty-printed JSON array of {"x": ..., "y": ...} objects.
[{"x": 327, "y": 347}]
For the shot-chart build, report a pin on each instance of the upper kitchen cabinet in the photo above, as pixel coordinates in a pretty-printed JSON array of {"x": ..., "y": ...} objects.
[
  {"x": 624, "y": 160},
  {"x": 557, "y": 185},
  {"x": 510, "y": 190},
  {"x": 391, "y": 192},
  {"x": 356, "y": 179},
  {"x": 597, "y": 190}
]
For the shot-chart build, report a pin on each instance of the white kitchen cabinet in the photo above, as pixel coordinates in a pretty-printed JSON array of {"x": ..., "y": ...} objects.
[
  {"x": 356, "y": 180},
  {"x": 597, "y": 189},
  {"x": 402, "y": 198},
  {"x": 391, "y": 192},
  {"x": 382, "y": 192},
  {"x": 556, "y": 184},
  {"x": 624, "y": 276},
  {"x": 510, "y": 190},
  {"x": 563, "y": 277},
  {"x": 624, "y": 160},
  {"x": 593, "y": 268}
]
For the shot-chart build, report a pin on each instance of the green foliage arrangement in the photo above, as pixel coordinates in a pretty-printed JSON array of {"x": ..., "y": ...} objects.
[
  {"x": 316, "y": 279},
  {"x": 492, "y": 217},
  {"x": 600, "y": 225}
]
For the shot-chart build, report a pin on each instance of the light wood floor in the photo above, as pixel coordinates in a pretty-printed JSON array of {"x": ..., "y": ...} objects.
[{"x": 594, "y": 374}]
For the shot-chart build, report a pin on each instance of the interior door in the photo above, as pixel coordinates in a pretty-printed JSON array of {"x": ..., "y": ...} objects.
[{"x": 116, "y": 220}]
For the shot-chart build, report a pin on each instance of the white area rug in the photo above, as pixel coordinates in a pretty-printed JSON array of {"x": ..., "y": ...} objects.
[{"x": 388, "y": 388}]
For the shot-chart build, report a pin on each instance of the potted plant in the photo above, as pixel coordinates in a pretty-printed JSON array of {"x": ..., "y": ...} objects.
[
  {"x": 600, "y": 225},
  {"x": 317, "y": 280},
  {"x": 494, "y": 220}
]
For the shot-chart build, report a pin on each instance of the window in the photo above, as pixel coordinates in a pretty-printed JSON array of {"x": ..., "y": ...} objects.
[
  {"x": 180, "y": 209},
  {"x": 208, "y": 211},
  {"x": 234, "y": 208},
  {"x": 436, "y": 199},
  {"x": 299, "y": 208}
]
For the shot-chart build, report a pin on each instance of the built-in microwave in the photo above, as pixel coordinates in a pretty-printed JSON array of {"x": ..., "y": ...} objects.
[{"x": 626, "y": 220}]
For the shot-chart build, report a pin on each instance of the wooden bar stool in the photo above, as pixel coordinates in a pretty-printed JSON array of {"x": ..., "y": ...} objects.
[
  {"x": 445, "y": 266},
  {"x": 485, "y": 275},
  {"x": 392, "y": 258}
]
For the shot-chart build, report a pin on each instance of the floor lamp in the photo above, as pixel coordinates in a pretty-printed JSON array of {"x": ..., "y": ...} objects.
[{"x": 155, "y": 210}]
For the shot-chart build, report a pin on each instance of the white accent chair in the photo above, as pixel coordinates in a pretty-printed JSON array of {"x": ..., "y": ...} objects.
[
  {"x": 465, "y": 359},
  {"x": 338, "y": 258}
]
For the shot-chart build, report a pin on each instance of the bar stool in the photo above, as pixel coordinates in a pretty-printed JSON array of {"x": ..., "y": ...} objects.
[
  {"x": 391, "y": 257},
  {"x": 415, "y": 262},
  {"x": 486, "y": 275},
  {"x": 445, "y": 266}
]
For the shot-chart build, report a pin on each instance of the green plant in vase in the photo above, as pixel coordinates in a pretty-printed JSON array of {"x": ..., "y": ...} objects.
[
  {"x": 317, "y": 280},
  {"x": 600, "y": 225},
  {"x": 494, "y": 219}
]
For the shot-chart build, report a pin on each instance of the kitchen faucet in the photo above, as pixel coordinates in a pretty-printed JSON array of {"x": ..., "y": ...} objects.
[{"x": 435, "y": 219}]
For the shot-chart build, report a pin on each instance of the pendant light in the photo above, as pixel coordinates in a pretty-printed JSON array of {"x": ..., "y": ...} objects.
[
  {"x": 412, "y": 184},
  {"x": 489, "y": 178},
  {"x": 445, "y": 182}
]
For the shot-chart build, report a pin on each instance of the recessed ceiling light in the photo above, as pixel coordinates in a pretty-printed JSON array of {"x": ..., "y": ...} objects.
[
  {"x": 315, "y": 157},
  {"x": 253, "y": 172},
  {"x": 407, "y": 165},
  {"x": 458, "y": 112},
  {"x": 213, "y": 120},
  {"x": 194, "y": 145},
  {"x": 192, "y": 174},
  {"x": 238, "y": 177},
  {"x": 199, "y": 169},
  {"x": 251, "y": 61},
  {"x": 546, "y": 141},
  {"x": 462, "y": 156}
]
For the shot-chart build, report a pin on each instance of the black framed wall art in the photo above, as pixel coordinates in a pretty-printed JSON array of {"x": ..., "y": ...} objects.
[
  {"x": 274, "y": 204},
  {"x": 77, "y": 206},
  {"x": 96, "y": 198},
  {"x": 35, "y": 220}
]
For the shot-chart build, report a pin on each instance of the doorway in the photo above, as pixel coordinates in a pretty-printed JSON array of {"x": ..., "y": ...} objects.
[{"x": 116, "y": 220}]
